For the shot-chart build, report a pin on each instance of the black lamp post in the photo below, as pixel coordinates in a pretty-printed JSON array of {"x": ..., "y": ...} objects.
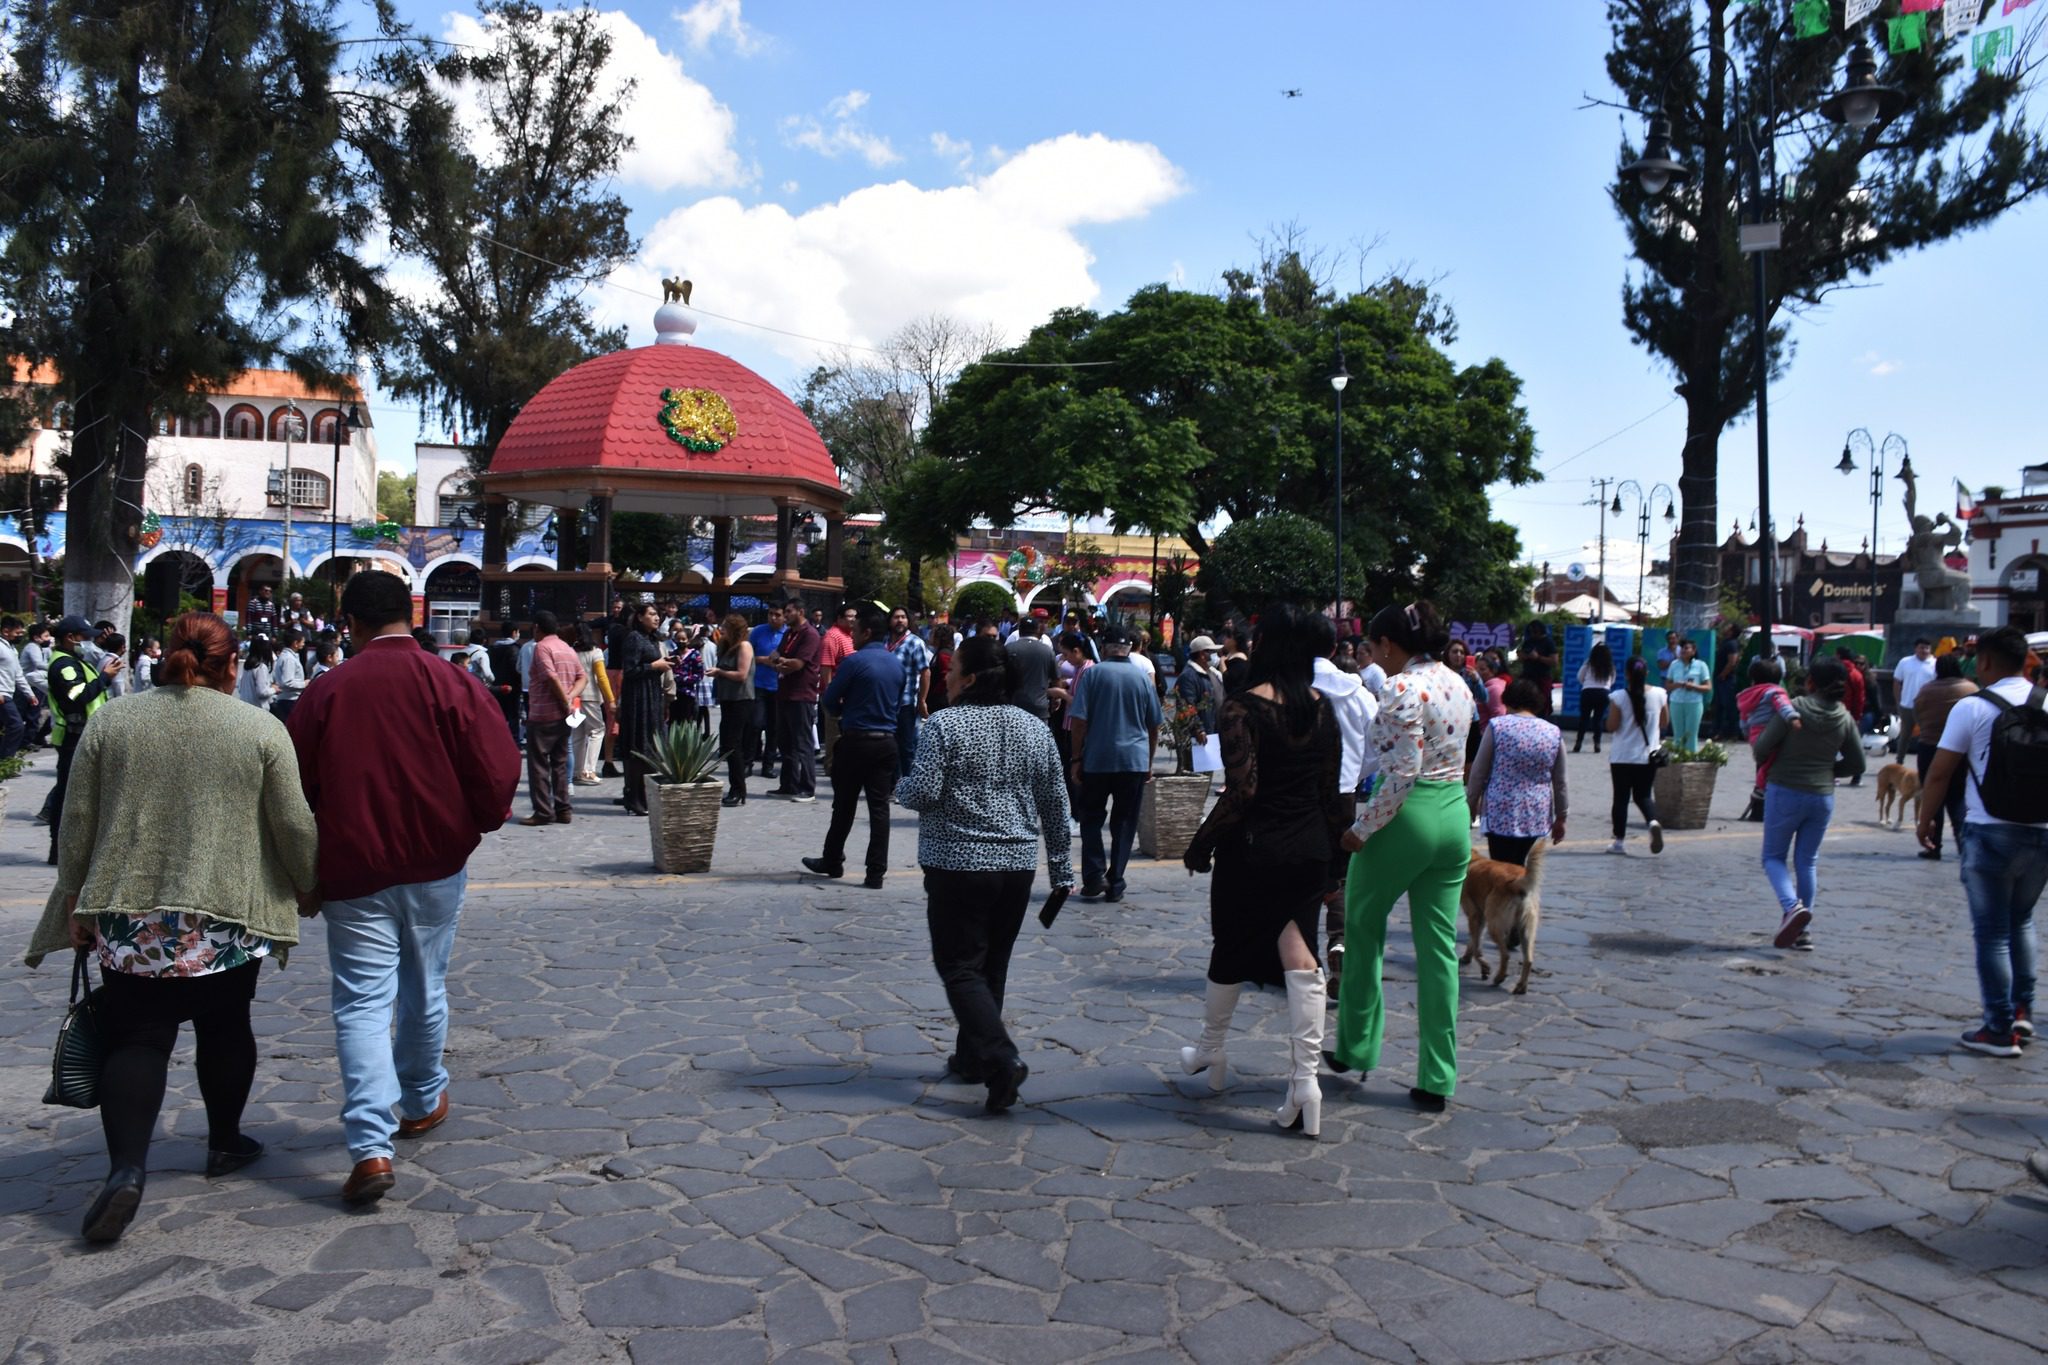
[
  {"x": 1337, "y": 382},
  {"x": 345, "y": 423},
  {"x": 1644, "y": 501},
  {"x": 1861, "y": 102},
  {"x": 1875, "y": 454}
]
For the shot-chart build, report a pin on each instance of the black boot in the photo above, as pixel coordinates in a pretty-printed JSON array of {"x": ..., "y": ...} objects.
[{"x": 114, "y": 1209}]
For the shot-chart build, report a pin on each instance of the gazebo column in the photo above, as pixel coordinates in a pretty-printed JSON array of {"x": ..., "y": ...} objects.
[
  {"x": 721, "y": 565},
  {"x": 494, "y": 532},
  {"x": 569, "y": 547},
  {"x": 835, "y": 547},
  {"x": 600, "y": 550},
  {"x": 785, "y": 541}
]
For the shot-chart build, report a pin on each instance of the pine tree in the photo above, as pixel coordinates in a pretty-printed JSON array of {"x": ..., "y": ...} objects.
[
  {"x": 1957, "y": 154},
  {"x": 178, "y": 205}
]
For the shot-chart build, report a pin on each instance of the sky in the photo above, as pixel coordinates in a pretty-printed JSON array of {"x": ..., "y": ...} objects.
[{"x": 835, "y": 170}]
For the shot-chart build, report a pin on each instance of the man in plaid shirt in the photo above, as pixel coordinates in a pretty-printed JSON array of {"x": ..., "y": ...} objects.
[{"x": 917, "y": 679}]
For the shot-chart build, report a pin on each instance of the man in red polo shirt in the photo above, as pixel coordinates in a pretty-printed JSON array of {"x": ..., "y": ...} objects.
[
  {"x": 554, "y": 692},
  {"x": 836, "y": 645},
  {"x": 407, "y": 765}
]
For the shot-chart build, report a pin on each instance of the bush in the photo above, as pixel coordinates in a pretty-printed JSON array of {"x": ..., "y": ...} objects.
[
  {"x": 1277, "y": 557},
  {"x": 982, "y": 602}
]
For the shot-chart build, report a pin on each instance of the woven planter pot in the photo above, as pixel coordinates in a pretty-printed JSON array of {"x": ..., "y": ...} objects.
[
  {"x": 682, "y": 822},
  {"x": 1684, "y": 792},
  {"x": 1171, "y": 813}
]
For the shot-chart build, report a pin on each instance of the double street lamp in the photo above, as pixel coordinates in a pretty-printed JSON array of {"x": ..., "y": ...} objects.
[
  {"x": 1876, "y": 455},
  {"x": 1643, "y": 504},
  {"x": 1861, "y": 102}
]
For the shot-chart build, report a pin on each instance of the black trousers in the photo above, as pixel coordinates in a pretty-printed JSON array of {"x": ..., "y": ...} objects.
[
  {"x": 769, "y": 744},
  {"x": 53, "y": 805},
  {"x": 795, "y": 719},
  {"x": 1635, "y": 781},
  {"x": 141, "y": 1015},
  {"x": 1509, "y": 848},
  {"x": 863, "y": 763},
  {"x": 1592, "y": 716},
  {"x": 974, "y": 919},
  {"x": 1923, "y": 758},
  {"x": 736, "y": 736},
  {"x": 1098, "y": 790}
]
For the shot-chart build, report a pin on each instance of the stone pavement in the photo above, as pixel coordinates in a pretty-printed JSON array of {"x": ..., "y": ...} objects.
[{"x": 701, "y": 1119}]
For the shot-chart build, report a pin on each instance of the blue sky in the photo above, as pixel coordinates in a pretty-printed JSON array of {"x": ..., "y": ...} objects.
[{"x": 835, "y": 169}]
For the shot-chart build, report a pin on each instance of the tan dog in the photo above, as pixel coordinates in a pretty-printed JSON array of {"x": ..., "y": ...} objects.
[
  {"x": 1897, "y": 783},
  {"x": 1506, "y": 902}
]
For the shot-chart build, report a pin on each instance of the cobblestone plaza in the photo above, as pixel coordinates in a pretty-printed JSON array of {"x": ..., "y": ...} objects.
[{"x": 703, "y": 1119}]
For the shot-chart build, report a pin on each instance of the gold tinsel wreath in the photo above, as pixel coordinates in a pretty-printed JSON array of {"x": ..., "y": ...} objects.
[{"x": 698, "y": 419}]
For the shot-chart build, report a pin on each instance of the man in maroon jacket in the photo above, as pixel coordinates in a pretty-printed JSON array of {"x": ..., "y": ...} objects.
[{"x": 407, "y": 765}]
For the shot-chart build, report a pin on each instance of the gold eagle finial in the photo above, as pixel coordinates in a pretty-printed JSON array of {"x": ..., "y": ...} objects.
[{"x": 675, "y": 290}]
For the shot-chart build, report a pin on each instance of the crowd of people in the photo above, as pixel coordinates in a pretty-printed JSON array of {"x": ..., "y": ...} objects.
[{"x": 1353, "y": 774}]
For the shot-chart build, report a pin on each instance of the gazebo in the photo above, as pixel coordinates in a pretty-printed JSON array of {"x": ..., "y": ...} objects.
[{"x": 669, "y": 428}]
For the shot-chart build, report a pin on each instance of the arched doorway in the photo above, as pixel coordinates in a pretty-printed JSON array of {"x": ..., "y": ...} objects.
[
  {"x": 175, "y": 581},
  {"x": 249, "y": 573},
  {"x": 455, "y": 593}
]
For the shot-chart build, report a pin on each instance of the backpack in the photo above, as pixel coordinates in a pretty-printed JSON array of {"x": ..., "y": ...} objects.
[{"x": 2014, "y": 784}]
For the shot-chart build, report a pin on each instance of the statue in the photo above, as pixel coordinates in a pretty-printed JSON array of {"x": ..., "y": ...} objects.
[
  {"x": 1942, "y": 589},
  {"x": 675, "y": 290}
]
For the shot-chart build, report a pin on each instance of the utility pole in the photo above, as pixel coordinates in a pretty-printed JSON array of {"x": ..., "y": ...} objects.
[{"x": 1600, "y": 597}]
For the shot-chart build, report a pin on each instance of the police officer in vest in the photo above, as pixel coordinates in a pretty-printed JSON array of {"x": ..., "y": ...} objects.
[{"x": 77, "y": 690}]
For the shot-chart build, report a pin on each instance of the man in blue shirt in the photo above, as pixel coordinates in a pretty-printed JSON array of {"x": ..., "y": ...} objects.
[
  {"x": 916, "y": 658},
  {"x": 765, "y": 639},
  {"x": 866, "y": 693},
  {"x": 1115, "y": 714}
]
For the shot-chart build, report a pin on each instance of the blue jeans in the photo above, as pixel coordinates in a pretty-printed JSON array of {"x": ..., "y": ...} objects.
[
  {"x": 2004, "y": 868},
  {"x": 1794, "y": 821},
  {"x": 391, "y": 950},
  {"x": 906, "y": 739},
  {"x": 1098, "y": 790}
]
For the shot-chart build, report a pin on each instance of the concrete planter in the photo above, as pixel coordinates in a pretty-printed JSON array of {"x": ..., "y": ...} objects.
[
  {"x": 1684, "y": 792},
  {"x": 682, "y": 823},
  {"x": 1171, "y": 813}
]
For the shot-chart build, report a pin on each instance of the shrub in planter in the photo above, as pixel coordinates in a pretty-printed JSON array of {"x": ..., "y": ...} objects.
[
  {"x": 1685, "y": 785},
  {"x": 682, "y": 792}
]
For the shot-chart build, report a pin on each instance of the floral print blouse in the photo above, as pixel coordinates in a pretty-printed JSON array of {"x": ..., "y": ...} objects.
[
  {"x": 174, "y": 943},
  {"x": 1425, "y": 714}
]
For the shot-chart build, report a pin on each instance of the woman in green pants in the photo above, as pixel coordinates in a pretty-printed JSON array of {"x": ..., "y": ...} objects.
[{"x": 1412, "y": 836}]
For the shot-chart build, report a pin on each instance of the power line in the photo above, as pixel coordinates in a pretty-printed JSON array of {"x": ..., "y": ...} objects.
[{"x": 1552, "y": 469}]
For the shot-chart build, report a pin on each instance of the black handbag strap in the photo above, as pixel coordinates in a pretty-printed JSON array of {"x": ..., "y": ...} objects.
[{"x": 81, "y": 978}]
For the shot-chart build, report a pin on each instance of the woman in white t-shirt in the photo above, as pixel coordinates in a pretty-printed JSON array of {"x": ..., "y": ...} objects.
[{"x": 1635, "y": 718}]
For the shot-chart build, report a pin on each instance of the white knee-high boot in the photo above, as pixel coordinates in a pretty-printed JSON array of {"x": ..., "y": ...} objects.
[
  {"x": 1307, "y": 999},
  {"x": 1217, "y": 1006}
]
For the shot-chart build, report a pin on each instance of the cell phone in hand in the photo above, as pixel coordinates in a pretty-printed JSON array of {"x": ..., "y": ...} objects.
[{"x": 1053, "y": 904}]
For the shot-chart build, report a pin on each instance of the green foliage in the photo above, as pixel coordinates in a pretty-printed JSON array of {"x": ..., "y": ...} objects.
[
  {"x": 1175, "y": 585},
  {"x": 1710, "y": 752},
  {"x": 11, "y": 768},
  {"x": 654, "y": 543},
  {"x": 872, "y": 574},
  {"x": 1281, "y": 557},
  {"x": 318, "y": 594},
  {"x": 982, "y": 602},
  {"x": 178, "y": 204},
  {"x": 1960, "y": 153},
  {"x": 681, "y": 755},
  {"x": 1077, "y": 568},
  {"x": 512, "y": 225},
  {"x": 395, "y": 496},
  {"x": 145, "y": 624}
]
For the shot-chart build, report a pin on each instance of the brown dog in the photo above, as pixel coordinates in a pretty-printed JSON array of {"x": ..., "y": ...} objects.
[
  {"x": 1506, "y": 902},
  {"x": 1897, "y": 783}
]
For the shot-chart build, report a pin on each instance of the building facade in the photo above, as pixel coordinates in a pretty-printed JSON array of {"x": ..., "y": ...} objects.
[
  {"x": 2008, "y": 553},
  {"x": 1816, "y": 586}
]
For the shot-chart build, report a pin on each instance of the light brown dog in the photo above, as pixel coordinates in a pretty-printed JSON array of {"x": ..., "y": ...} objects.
[
  {"x": 1896, "y": 785},
  {"x": 1505, "y": 901}
]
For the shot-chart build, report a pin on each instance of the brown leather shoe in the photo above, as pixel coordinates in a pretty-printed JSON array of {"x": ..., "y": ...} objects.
[
  {"x": 370, "y": 1181},
  {"x": 412, "y": 1128},
  {"x": 562, "y": 817}
]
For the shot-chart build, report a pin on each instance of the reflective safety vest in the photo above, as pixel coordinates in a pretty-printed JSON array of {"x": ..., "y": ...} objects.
[{"x": 76, "y": 691}]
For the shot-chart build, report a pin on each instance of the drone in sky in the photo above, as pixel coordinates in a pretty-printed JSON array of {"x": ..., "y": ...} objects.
[{"x": 1293, "y": 94}]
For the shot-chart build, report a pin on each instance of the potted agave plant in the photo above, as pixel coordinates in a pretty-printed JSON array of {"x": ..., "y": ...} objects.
[
  {"x": 10, "y": 768},
  {"x": 682, "y": 797},
  {"x": 1685, "y": 784},
  {"x": 1171, "y": 811}
]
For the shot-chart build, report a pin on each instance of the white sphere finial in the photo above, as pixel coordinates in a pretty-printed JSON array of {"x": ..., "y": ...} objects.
[{"x": 673, "y": 325}]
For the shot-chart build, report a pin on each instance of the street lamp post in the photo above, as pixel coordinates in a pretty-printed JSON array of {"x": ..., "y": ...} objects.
[
  {"x": 1861, "y": 102},
  {"x": 1337, "y": 382},
  {"x": 1644, "y": 501},
  {"x": 345, "y": 423},
  {"x": 1875, "y": 453}
]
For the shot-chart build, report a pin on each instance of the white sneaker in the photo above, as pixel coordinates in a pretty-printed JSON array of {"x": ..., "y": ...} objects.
[
  {"x": 1618, "y": 847},
  {"x": 1656, "y": 837}
]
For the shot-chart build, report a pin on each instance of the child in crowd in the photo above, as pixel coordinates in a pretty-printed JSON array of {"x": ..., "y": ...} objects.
[{"x": 1754, "y": 706}]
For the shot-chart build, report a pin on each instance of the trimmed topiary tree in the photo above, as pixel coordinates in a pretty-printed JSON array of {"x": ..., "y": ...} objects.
[{"x": 982, "y": 601}]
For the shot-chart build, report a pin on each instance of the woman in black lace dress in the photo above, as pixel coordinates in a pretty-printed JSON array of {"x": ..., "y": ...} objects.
[
  {"x": 643, "y": 709},
  {"x": 1271, "y": 835}
]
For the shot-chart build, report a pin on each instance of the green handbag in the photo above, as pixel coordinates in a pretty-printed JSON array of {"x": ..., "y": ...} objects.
[{"x": 75, "y": 1065}]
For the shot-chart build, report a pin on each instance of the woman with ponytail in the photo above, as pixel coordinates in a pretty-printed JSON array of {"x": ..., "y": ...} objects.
[
  {"x": 1635, "y": 717},
  {"x": 179, "y": 889},
  {"x": 1413, "y": 836}
]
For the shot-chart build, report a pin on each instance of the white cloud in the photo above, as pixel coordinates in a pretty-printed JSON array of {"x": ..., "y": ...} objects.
[
  {"x": 1878, "y": 365},
  {"x": 842, "y": 134},
  {"x": 1002, "y": 250},
  {"x": 683, "y": 138},
  {"x": 789, "y": 187},
  {"x": 707, "y": 19},
  {"x": 953, "y": 149}
]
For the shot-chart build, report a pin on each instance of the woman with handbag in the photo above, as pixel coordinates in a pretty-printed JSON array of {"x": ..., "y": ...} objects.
[
  {"x": 164, "y": 884},
  {"x": 1635, "y": 718}
]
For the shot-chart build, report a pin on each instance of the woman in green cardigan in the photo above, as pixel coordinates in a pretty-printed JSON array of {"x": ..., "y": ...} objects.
[{"x": 180, "y": 886}]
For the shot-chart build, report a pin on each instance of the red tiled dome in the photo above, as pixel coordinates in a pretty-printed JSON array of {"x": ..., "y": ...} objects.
[{"x": 606, "y": 414}]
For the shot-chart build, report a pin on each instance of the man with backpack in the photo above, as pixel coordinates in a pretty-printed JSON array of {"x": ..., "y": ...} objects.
[{"x": 2000, "y": 736}]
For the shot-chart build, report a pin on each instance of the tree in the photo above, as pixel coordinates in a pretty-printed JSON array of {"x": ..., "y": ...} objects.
[
  {"x": 178, "y": 205},
  {"x": 396, "y": 496},
  {"x": 1279, "y": 558},
  {"x": 1185, "y": 407},
  {"x": 982, "y": 601},
  {"x": 1958, "y": 154},
  {"x": 512, "y": 219}
]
